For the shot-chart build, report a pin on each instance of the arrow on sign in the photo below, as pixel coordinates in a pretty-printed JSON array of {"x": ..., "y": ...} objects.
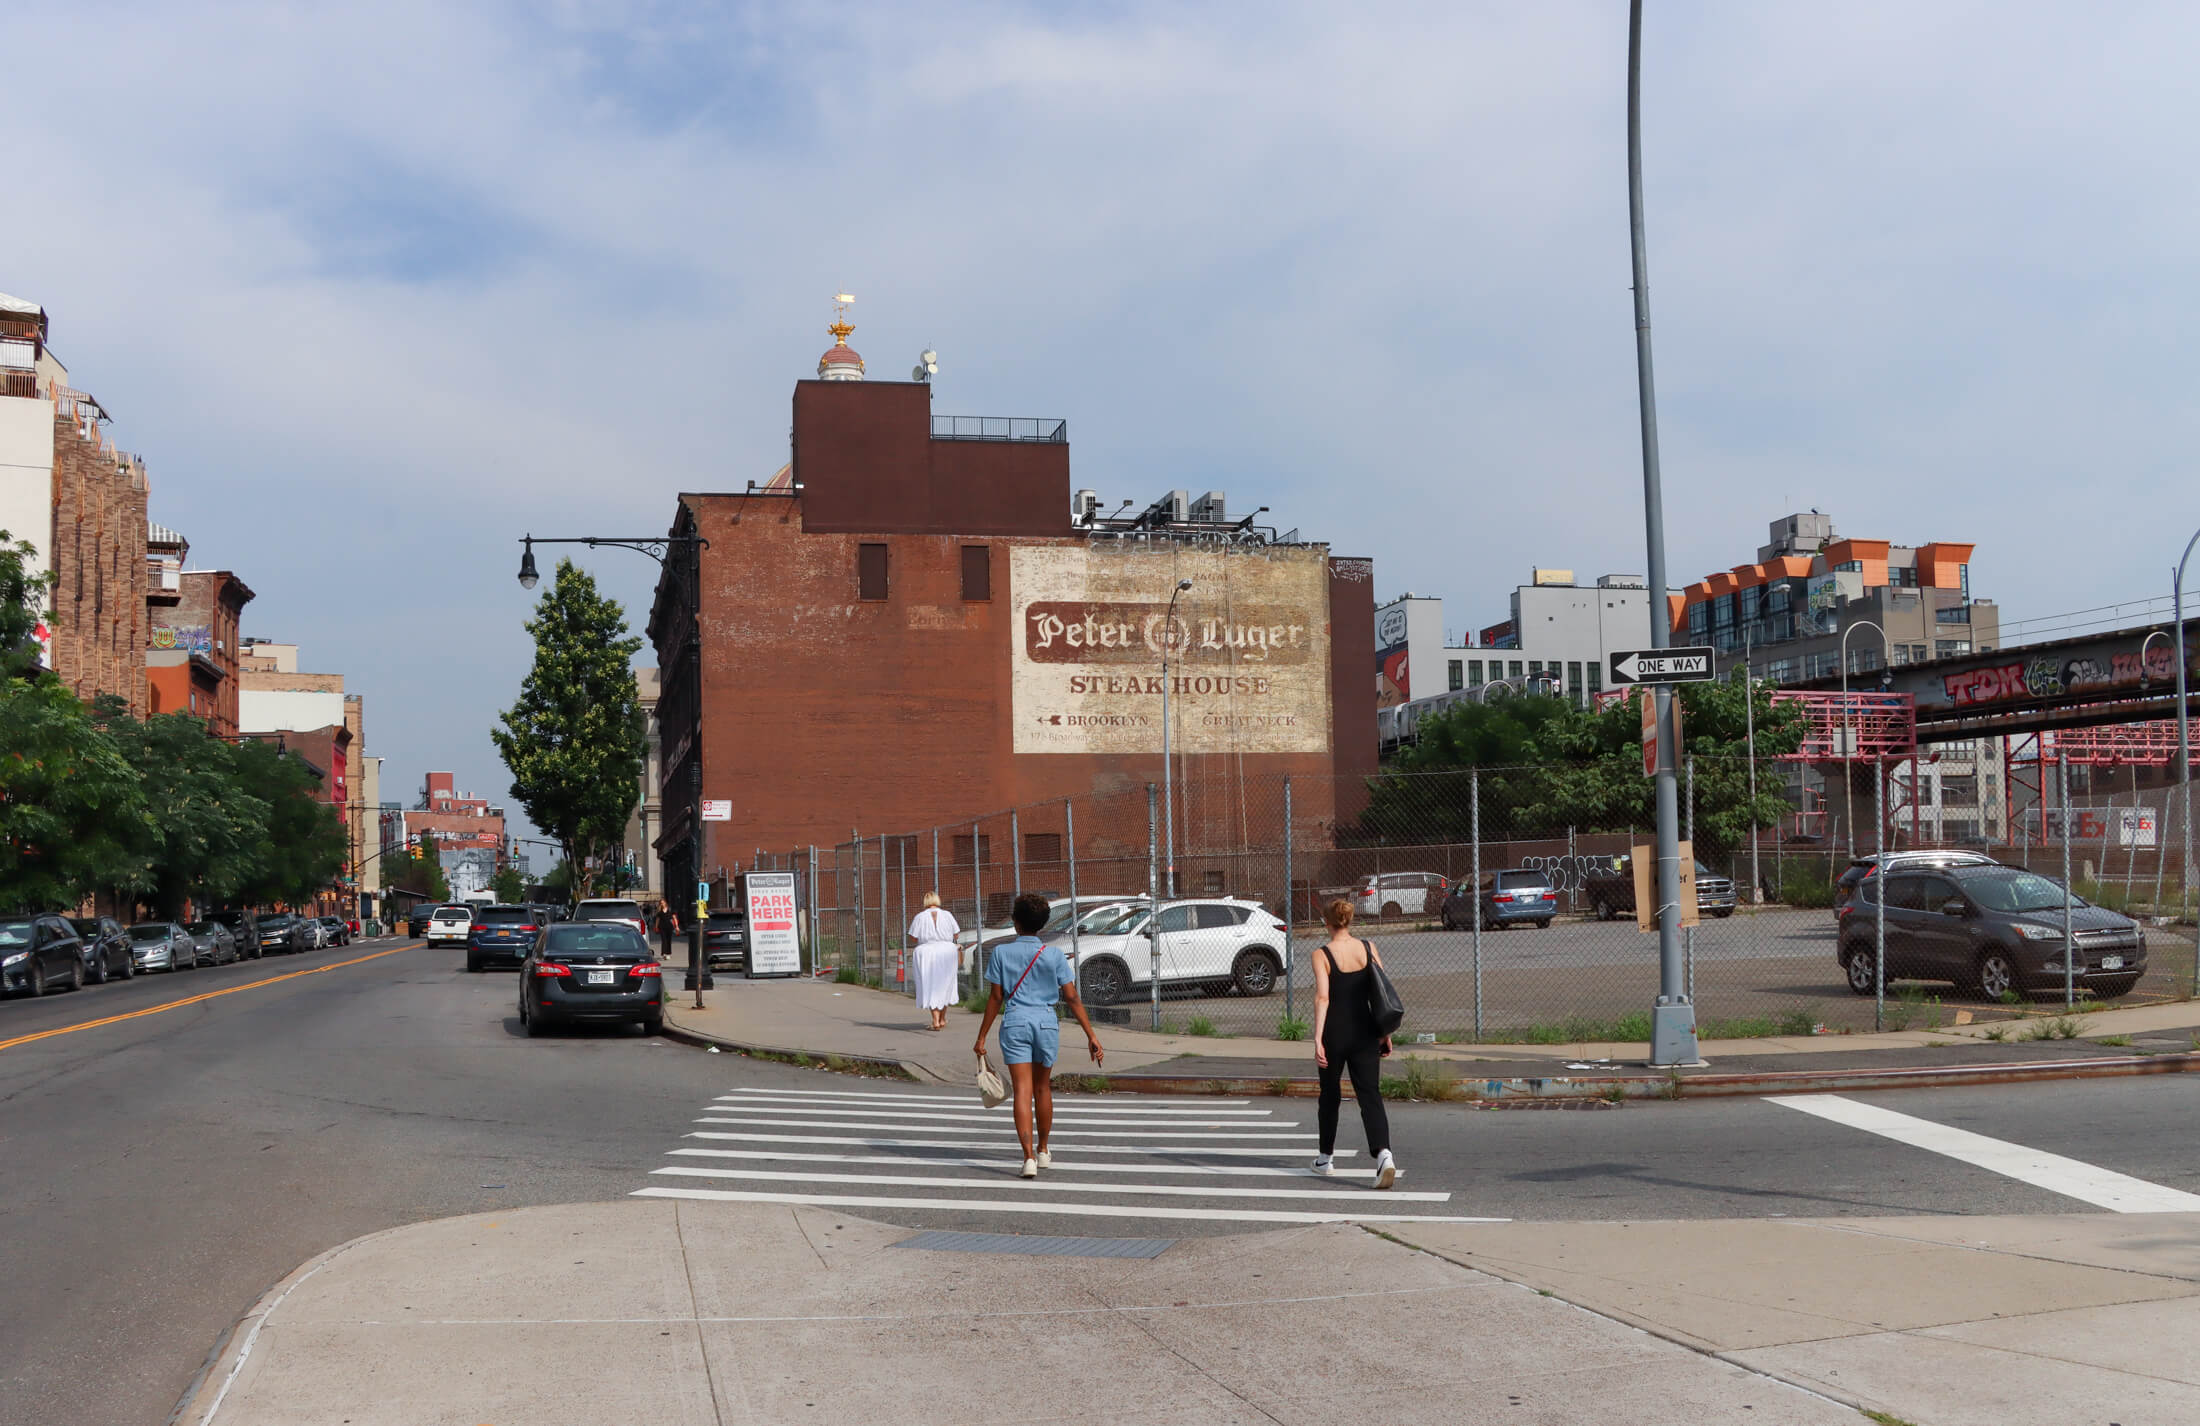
[{"x": 1691, "y": 665}]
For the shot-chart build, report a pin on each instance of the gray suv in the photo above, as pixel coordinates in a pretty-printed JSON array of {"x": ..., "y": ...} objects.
[{"x": 1992, "y": 929}]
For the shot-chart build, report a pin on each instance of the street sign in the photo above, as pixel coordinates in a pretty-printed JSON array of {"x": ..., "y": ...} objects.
[
  {"x": 1649, "y": 702},
  {"x": 1691, "y": 665},
  {"x": 774, "y": 943},
  {"x": 717, "y": 809}
]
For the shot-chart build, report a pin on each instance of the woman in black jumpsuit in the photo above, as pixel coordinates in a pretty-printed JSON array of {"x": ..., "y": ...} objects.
[{"x": 1345, "y": 1038}]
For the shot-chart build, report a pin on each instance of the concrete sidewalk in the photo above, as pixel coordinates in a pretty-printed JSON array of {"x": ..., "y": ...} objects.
[
  {"x": 820, "y": 1018},
  {"x": 682, "y": 1312}
]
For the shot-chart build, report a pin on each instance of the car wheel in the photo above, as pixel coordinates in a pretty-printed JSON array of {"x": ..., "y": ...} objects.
[
  {"x": 1256, "y": 971},
  {"x": 533, "y": 1024},
  {"x": 1603, "y": 909},
  {"x": 99, "y": 970},
  {"x": 1448, "y": 920},
  {"x": 1724, "y": 912},
  {"x": 37, "y": 987},
  {"x": 76, "y": 974},
  {"x": 1391, "y": 908},
  {"x": 1544, "y": 924},
  {"x": 1104, "y": 982},
  {"x": 1996, "y": 977},
  {"x": 1863, "y": 980},
  {"x": 129, "y": 967},
  {"x": 473, "y": 965},
  {"x": 653, "y": 1025}
]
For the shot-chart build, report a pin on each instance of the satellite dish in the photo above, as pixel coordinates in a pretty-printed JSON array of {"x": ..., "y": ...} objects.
[{"x": 928, "y": 365}]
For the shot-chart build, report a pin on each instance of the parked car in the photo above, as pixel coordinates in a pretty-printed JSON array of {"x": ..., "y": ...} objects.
[
  {"x": 336, "y": 931},
  {"x": 1400, "y": 893},
  {"x": 450, "y": 924},
  {"x": 1611, "y": 891},
  {"x": 1060, "y": 913},
  {"x": 1209, "y": 944},
  {"x": 106, "y": 948},
  {"x": 500, "y": 935},
  {"x": 1861, "y": 869},
  {"x": 416, "y": 920},
  {"x": 163, "y": 945},
  {"x": 614, "y": 909},
  {"x": 213, "y": 942},
  {"x": 1990, "y": 929},
  {"x": 1506, "y": 898},
  {"x": 244, "y": 929},
  {"x": 591, "y": 972},
  {"x": 282, "y": 932},
  {"x": 38, "y": 954},
  {"x": 726, "y": 939}
]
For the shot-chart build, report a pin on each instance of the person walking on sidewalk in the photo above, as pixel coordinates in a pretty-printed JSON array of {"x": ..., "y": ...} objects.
[
  {"x": 1345, "y": 1038},
  {"x": 1027, "y": 978},
  {"x": 936, "y": 957}
]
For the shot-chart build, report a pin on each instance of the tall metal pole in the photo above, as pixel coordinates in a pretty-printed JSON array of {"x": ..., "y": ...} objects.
[
  {"x": 1688, "y": 934},
  {"x": 2184, "y": 741},
  {"x": 977, "y": 892},
  {"x": 1474, "y": 832},
  {"x": 1673, "y": 1018},
  {"x": 1290, "y": 894},
  {"x": 1749, "y": 720},
  {"x": 1848, "y": 722},
  {"x": 1879, "y": 901},
  {"x": 1016, "y": 851},
  {"x": 1168, "y": 800},
  {"x": 1153, "y": 910},
  {"x": 698, "y": 963},
  {"x": 2070, "y": 939},
  {"x": 1069, "y": 829}
]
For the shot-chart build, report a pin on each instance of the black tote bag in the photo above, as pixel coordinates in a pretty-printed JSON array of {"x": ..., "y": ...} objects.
[{"x": 1383, "y": 1005}]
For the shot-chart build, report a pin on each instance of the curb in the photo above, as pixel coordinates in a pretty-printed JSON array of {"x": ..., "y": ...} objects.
[{"x": 875, "y": 1066}]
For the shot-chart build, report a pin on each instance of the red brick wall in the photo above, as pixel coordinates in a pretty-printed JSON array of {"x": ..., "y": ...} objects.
[
  {"x": 100, "y": 621},
  {"x": 865, "y": 457}
]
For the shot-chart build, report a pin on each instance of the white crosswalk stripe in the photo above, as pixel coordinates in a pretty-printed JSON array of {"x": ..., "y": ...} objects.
[{"x": 1191, "y": 1159}]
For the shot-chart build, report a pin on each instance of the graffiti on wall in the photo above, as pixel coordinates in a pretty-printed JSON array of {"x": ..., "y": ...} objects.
[
  {"x": 1393, "y": 678},
  {"x": 469, "y": 869},
  {"x": 2049, "y": 676},
  {"x": 191, "y": 638}
]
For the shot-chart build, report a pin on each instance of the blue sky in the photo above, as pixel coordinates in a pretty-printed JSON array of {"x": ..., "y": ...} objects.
[{"x": 375, "y": 288}]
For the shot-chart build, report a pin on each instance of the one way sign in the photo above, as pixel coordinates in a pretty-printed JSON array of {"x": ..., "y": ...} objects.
[{"x": 1663, "y": 666}]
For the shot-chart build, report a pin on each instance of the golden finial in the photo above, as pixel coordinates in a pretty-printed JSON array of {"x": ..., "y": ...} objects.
[{"x": 841, "y": 327}]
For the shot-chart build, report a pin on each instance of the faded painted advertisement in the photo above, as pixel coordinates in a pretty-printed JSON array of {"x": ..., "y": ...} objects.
[{"x": 1247, "y": 648}]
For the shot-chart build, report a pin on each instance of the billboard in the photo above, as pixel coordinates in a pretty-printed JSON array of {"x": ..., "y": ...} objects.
[
  {"x": 1393, "y": 675},
  {"x": 1247, "y": 645},
  {"x": 774, "y": 944}
]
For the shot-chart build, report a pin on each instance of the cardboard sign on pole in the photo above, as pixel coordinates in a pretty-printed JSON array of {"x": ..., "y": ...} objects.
[{"x": 1644, "y": 864}]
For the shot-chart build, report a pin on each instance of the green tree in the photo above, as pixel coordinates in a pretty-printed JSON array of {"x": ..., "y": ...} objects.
[
  {"x": 574, "y": 740},
  {"x": 22, "y": 605},
  {"x": 300, "y": 845},
  {"x": 416, "y": 868},
  {"x": 507, "y": 885},
  {"x": 201, "y": 825},
  {"x": 72, "y": 809}
]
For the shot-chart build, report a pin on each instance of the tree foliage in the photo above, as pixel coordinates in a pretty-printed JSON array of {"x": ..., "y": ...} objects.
[
  {"x": 201, "y": 824},
  {"x": 508, "y": 886},
  {"x": 72, "y": 809},
  {"x": 301, "y": 845},
  {"x": 22, "y": 604},
  {"x": 1544, "y": 766},
  {"x": 417, "y": 868},
  {"x": 574, "y": 741}
]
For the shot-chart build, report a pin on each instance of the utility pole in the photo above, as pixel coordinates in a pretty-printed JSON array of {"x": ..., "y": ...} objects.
[{"x": 1673, "y": 1018}]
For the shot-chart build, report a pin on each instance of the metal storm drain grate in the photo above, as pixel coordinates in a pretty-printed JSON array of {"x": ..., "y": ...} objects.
[{"x": 941, "y": 1242}]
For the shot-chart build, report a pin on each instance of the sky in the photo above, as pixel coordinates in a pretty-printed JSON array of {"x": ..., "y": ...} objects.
[{"x": 375, "y": 289}]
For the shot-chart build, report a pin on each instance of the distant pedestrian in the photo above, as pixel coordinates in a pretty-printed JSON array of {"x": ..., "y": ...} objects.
[
  {"x": 936, "y": 958},
  {"x": 1345, "y": 1038},
  {"x": 1027, "y": 977}
]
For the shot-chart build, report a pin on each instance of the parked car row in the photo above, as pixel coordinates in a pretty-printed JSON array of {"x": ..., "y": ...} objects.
[{"x": 52, "y": 952}]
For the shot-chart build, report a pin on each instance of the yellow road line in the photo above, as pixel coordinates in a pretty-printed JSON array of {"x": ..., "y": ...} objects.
[{"x": 195, "y": 999}]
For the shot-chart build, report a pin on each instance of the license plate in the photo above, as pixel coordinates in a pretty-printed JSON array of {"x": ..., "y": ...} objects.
[
  {"x": 2112, "y": 963},
  {"x": 599, "y": 977}
]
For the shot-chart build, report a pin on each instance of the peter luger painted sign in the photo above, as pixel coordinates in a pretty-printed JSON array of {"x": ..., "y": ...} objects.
[{"x": 1248, "y": 650}]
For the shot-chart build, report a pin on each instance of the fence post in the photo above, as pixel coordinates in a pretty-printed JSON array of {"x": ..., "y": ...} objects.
[
  {"x": 1289, "y": 893},
  {"x": 1474, "y": 900},
  {"x": 855, "y": 848},
  {"x": 1015, "y": 852},
  {"x": 977, "y": 896},
  {"x": 2070, "y": 940},
  {"x": 812, "y": 899},
  {"x": 1688, "y": 934},
  {"x": 901, "y": 866},
  {"x": 1153, "y": 903},
  {"x": 1069, "y": 831},
  {"x": 1879, "y": 890}
]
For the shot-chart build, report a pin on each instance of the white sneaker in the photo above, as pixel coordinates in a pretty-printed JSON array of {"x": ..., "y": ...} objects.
[
  {"x": 1031, "y": 1168},
  {"x": 1325, "y": 1164},
  {"x": 1046, "y": 1160},
  {"x": 1386, "y": 1170}
]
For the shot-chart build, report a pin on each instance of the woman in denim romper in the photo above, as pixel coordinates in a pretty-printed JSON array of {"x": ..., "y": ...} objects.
[{"x": 1027, "y": 978}]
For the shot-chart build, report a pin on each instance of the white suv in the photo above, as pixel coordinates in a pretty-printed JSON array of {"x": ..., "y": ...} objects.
[
  {"x": 1212, "y": 944},
  {"x": 450, "y": 925},
  {"x": 618, "y": 911},
  {"x": 1400, "y": 893}
]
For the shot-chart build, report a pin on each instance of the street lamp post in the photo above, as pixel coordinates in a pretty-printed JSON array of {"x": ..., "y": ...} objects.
[
  {"x": 1848, "y": 723},
  {"x": 658, "y": 548},
  {"x": 1168, "y": 789},
  {"x": 2184, "y": 732}
]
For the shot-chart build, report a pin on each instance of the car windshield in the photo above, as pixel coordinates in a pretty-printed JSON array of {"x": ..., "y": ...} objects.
[
  {"x": 1115, "y": 920},
  {"x": 2007, "y": 889},
  {"x": 85, "y": 925},
  {"x": 727, "y": 918},
  {"x": 149, "y": 933},
  {"x": 201, "y": 928},
  {"x": 15, "y": 933},
  {"x": 581, "y": 939},
  {"x": 609, "y": 911},
  {"x": 1093, "y": 919}
]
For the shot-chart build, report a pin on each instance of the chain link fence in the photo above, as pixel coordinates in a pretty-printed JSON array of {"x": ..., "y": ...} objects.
[{"x": 1504, "y": 902}]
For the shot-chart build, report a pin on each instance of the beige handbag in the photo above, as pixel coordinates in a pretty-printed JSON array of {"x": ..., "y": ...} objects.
[{"x": 990, "y": 1088}]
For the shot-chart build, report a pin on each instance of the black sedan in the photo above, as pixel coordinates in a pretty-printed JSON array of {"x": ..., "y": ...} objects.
[
  {"x": 500, "y": 935},
  {"x": 38, "y": 954},
  {"x": 583, "y": 972},
  {"x": 281, "y": 932},
  {"x": 106, "y": 949}
]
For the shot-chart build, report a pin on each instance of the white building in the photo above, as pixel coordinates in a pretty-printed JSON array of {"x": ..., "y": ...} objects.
[{"x": 1559, "y": 630}]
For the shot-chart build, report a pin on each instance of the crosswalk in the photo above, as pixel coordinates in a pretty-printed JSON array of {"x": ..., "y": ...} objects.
[{"x": 1209, "y": 1160}]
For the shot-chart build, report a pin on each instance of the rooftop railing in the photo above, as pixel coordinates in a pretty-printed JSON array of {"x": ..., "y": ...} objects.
[{"x": 1042, "y": 429}]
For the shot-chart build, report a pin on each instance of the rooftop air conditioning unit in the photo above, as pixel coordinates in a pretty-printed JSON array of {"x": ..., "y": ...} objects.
[
  {"x": 1084, "y": 506},
  {"x": 1175, "y": 508},
  {"x": 1209, "y": 508}
]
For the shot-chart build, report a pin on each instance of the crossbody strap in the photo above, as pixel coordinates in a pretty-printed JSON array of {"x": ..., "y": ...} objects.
[{"x": 1019, "y": 985}]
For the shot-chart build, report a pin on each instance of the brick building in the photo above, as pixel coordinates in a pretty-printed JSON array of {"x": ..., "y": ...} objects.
[
  {"x": 469, "y": 833},
  {"x": 192, "y": 655},
  {"x": 81, "y": 503},
  {"x": 914, "y": 621},
  {"x": 275, "y": 696}
]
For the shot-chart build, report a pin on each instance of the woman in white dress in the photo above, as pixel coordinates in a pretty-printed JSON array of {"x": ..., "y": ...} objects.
[{"x": 937, "y": 958}]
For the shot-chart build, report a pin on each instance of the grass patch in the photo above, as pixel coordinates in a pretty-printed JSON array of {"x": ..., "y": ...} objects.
[
  {"x": 2054, "y": 1027},
  {"x": 1201, "y": 1026},
  {"x": 1911, "y": 1005},
  {"x": 1578, "y": 1029},
  {"x": 2121, "y": 1042},
  {"x": 1279, "y": 1086},
  {"x": 1998, "y": 1034},
  {"x": 1220, "y": 1087},
  {"x": 1420, "y": 1079},
  {"x": 1885, "y": 1419},
  {"x": 1291, "y": 1027},
  {"x": 1803, "y": 886},
  {"x": 847, "y": 975},
  {"x": 1093, "y": 1084}
]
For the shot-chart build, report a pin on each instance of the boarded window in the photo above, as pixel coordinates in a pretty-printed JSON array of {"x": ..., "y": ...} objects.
[
  {"x": 870, "y": 571},
  {"x": 1042, "y": 847},
  {"x": 1214, "y": 888},
  {"x": 977, "y": 572},
  {"x": 966, "y": 851}
]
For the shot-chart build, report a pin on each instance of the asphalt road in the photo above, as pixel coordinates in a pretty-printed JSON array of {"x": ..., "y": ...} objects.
[{"x": 159, "y": 1171}]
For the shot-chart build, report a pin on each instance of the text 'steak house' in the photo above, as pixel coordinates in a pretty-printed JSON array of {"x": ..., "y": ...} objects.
[{"x": 916, "y": 621}]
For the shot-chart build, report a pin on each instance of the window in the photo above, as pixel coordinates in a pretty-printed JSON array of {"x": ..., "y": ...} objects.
[
  {"x": 1596, "y": 679},
  {"x": 1213, "y": 883},
  {"x": 1474, "y": 673},
  {"x": 1458, "y": 675},
  {"x": 964, "y": 849},
  {"x": 1699, "y": 619},
  {"x": 1902, "y": 576},
  {"x": 1850, "y": 567},
  {"x": 977, "y": 573},
  {"x": 1535, "y": 667},
  {"x": 1573, "y": 682},
  {"x": 1176, "y": 918},
  {"x": 1215, "y": 918},
  {"x": 870, "y": 571},
  {"x": 1042, "y": 847},
  {"x": 1953, "y": 614},
  {"x": 1949, "y": 648},
  {"x": 1515, "y": 668}
]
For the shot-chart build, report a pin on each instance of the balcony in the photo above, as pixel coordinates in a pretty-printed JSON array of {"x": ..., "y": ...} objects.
[{"x": 1040, "y": 429}]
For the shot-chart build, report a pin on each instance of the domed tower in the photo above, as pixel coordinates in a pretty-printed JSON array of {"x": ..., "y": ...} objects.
[{"x": 840, "y": 362}]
